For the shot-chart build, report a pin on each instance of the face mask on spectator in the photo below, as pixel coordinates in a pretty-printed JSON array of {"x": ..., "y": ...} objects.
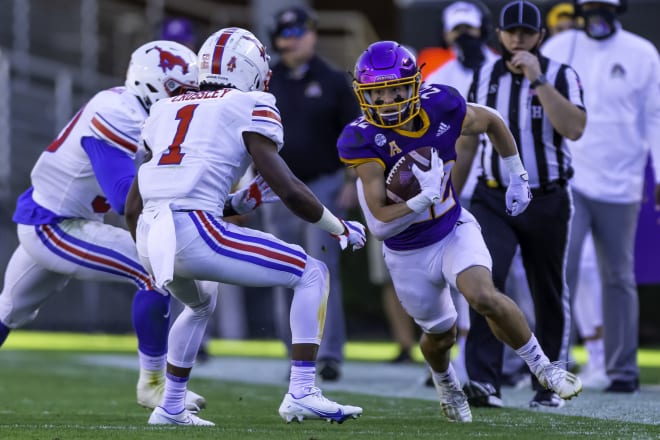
[
  {"x": 468, "y": 51},
  {"x": 599, "y": 23}
]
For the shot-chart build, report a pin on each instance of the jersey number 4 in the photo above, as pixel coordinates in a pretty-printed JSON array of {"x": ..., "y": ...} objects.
[{"x": 173, "y": 155}]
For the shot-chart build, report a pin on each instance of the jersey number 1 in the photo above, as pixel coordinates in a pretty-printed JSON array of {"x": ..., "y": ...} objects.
[{"x": 173, "y": 156}]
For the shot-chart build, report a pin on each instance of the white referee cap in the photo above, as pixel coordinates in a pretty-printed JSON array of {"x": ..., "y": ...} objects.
[{"x": 461, "y": 13}]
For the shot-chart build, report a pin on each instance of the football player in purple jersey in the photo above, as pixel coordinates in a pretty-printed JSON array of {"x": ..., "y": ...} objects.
[{"x": 430, "y": 242}]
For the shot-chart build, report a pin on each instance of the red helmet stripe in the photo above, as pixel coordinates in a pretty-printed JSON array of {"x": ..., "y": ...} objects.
[{"x": 216, "y": 67}]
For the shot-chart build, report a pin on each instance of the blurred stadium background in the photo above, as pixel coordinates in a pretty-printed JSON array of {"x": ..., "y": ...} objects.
[{"x": 54, "y": 55}]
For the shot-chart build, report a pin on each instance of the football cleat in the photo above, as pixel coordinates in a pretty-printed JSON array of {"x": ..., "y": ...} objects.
[
  {"x": 329, "y": 370},
  {"x": 453, "y": 401},
  {"x": 150, "y": 394},
  {"x": 194, "y": 402},
  {"x": 566, "y": 384},
  {"x": 623, "y": 386},
  {"x": 160, "y": 416},
  {"x": 546, "y": 398},
  {"x": 315, "y": 406},
  {"x": 482, "y": 394}
]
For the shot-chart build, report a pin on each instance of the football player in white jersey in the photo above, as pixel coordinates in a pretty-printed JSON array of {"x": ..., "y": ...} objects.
[
  {"x": 202, "y": 143},
  {"x": 84, "y": 173}
]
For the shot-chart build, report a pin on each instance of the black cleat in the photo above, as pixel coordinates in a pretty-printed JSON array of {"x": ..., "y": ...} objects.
[
  {"x": 482, "y": 394},
  {"x": 329, "y": 369}
]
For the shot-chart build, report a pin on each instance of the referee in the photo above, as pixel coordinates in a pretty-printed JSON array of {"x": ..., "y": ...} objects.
[{"x": 541, "y": 101}]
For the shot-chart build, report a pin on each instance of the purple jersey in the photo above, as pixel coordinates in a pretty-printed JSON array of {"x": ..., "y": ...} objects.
[{"x": 442, "y": 113}]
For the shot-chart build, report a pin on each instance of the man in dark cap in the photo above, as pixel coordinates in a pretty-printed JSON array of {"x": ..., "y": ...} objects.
[
  {"x": 315, "y": 101},
  {"x": 541, "y": 102}
]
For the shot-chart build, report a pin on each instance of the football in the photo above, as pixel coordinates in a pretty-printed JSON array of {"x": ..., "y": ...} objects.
[{"x": 401, "y": 184}]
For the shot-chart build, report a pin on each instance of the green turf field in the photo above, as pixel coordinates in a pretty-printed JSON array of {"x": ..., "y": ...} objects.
[{"x": 47, "y": 393}]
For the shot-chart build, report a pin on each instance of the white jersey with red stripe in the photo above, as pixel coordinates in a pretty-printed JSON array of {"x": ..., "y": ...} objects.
[
  {"x": 198, "y": 148},
  {"x": 198, "y": 154},
  {"x": 65, "y": 182}
]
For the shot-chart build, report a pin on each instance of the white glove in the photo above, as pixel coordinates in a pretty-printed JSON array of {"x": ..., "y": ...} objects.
[
  {"x": 518, "y": 194},
  {"x": 430, "y": 183},
  {"x": 353, "y": 235},
  {"x": 252, "y": 195}
]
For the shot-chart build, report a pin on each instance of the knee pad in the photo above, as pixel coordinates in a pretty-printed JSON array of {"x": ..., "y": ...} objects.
[
  {"x": 316, "y": 274},
  {"x": 209, "y": 299}
]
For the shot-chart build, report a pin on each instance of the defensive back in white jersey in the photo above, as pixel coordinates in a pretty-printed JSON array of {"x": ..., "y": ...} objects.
[
  {"x": 63, "y": 179},
  {"x": 198, "y": 148}
]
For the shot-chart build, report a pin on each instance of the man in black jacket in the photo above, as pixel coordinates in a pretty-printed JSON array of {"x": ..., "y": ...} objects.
[{"x": 315, "y": 101}]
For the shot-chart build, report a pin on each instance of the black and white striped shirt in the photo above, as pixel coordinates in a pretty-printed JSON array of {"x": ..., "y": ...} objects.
[{"x": 542, "y": 149}]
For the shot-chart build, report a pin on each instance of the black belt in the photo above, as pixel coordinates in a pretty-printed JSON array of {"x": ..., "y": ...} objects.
[{"x": 549, "y": 187}]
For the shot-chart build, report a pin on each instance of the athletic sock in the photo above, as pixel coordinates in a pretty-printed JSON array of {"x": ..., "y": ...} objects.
[
  {"x": 303, "y": 376},
  {"x": 533, "y": 354},
  {"x": 448, "y": 376},
  {"x": 152, "y": 368},
  {"x": 174, "y": 400}
]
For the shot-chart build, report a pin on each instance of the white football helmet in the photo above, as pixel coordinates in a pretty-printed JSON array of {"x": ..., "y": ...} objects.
[
  {"x": 234, "y": 57},
  {"x": 160, "y": 69}
]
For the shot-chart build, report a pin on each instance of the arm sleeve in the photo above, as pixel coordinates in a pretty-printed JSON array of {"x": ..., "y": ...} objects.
[
  {"x": 113, "y": 168},
  {"x": 381, "y": 230}
]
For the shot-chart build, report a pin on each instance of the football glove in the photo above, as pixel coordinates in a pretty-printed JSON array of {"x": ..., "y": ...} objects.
[
  {"x": 430, "y": 183},
  {"x": 353, "y": 235},
  {"x": 248, "y": 198},
  {"x": 518, "y": 194}
]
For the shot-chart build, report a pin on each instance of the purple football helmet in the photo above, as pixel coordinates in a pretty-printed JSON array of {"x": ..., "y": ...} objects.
[{"x": 383, "y": 65}]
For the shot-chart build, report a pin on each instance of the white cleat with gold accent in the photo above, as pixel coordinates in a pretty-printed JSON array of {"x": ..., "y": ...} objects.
[{"x": 566, "y": 384}]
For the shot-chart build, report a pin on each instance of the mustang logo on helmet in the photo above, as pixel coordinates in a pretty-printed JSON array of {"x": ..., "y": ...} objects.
[
  {"x": 262, "y": 49},
  {"x": 168, "y": 61}
]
